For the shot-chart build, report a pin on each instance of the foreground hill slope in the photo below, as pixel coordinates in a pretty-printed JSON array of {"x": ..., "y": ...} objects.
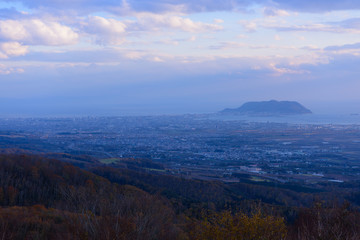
[{"x": 50, "y": 199}]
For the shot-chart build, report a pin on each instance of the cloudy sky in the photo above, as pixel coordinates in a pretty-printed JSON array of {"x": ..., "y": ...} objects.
[{"x": 113, "y": 57}]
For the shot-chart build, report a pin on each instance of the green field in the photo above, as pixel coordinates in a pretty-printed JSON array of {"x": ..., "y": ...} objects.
[
  {"x": 155, "y": 169},
  {"x": 257, "y": 179},
  {"x": 109, "y": 160}
]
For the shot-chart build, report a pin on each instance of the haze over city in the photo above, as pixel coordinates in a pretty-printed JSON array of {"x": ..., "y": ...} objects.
[{"x": 170, "y": 57}]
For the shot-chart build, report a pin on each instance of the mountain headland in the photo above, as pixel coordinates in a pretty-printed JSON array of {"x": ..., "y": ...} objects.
[{"x": 266, "y": 108}]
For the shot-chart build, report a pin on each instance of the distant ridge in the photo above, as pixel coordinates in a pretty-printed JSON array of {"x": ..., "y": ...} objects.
[{"x": 267, "y": 108}]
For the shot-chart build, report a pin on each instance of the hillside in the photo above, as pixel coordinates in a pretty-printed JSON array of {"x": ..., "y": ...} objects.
[
  {"x": 49, "y": 199},
  {"x": 269, "y": 108}
]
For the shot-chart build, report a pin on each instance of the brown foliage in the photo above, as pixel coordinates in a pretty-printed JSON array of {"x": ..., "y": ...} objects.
[
  {"x": 87, "y": 206},
  {"x": 34, "y": 222},
  {"x": 327, "y": 223},
  {"x": 239, "y": 226},
  {"x": 48, "y": 199}
]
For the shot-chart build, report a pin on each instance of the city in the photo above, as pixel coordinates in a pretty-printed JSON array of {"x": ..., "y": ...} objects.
[{"x": 199, "y": 147}]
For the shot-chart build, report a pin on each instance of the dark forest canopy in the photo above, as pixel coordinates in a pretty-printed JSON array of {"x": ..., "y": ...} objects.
[{"x": 50, "y": 199}]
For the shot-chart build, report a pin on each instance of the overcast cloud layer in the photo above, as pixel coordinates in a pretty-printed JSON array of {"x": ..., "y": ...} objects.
[{"x": 172, "y": 56}]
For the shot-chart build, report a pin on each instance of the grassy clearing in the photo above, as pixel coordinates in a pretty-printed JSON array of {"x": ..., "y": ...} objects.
[
  {"x": 155, "y": 169},
  {"x": 109, "y": 160},
  {"x": 257, "y": 179}
]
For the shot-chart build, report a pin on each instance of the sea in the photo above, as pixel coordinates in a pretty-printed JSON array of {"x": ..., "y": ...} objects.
[{"x": 335, "y": 119}]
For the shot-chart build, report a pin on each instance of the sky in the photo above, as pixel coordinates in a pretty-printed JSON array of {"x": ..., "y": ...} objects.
[{"x": 141, "y": 57}]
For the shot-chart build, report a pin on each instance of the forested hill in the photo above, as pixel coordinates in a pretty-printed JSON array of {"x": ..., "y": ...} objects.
[
  {"x": 50, "y": 199},
  {"x": 269, "y": 108}
]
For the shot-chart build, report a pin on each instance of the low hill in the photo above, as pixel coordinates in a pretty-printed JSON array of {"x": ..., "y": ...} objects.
[
  {"x": 267, "y": 108},
  {"x": 49, "y": 199}
]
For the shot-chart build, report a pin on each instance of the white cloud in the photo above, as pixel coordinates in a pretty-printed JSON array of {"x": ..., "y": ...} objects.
[
  {"x": 347, "y": 49},
  {"x": 242, "y": 36},
  {"x": 347, "y": 26},
  {"x": 228, "y": 45},
  {"x": 274, "y": 12},
  {"x": 217, "y": 20},
  {"x": 302, "y": 38},
  {"x": 250, "y": 26},
  {"x": 316, "y": 27},
  {"x": 37, "y": 32},
  {"x": 318, "y": 5},
  {"x": 149, "y": 21},
  {"x": 192, "y": 39},
  {"x": 284, "y": 70},
  {"x": 309, "y": 59},
  {"x": 168, "y": 42},
  {"x": 106, "y": 31},
  {"x": 189, "y": 6},
  {"x": 157, "y": 59},
  {"x": 4, "y": 70},
  {"x": 354, "y": 46},
  {"x": 158, "y": 6},
  {"x": 133, "y": 55},
  {"x": 113, "y": 32},
  {"x": 235, "y": 45},
  {"x": 11, "y": 49}
]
